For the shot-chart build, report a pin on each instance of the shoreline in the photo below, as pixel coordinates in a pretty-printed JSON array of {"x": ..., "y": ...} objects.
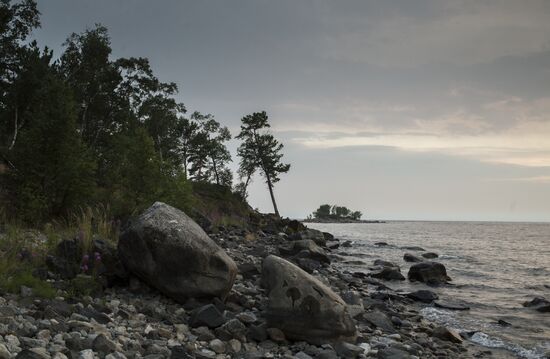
[
  {"x": 345, "y": 221},
  {"x": 135, "y": 320}
]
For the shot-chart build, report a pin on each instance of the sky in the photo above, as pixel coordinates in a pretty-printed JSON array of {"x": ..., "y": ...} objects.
[{"x": 421, "y": 110}]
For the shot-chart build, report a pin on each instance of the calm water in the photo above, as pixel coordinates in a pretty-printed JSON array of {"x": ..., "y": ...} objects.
[{"x": 495, "y": 267}]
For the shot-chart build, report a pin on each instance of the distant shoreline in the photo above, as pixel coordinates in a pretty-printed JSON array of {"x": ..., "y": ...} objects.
[{"x": 345, "y": 220}]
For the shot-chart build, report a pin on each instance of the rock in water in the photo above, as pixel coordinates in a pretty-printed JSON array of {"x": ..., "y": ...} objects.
[
  {"x": 432, "y": 273},
  {"x": 303, "y": 307},
  {"x": 169, "y": 251}
]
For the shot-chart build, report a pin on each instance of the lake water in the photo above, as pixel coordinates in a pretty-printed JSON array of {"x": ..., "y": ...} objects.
[{"x": 494, "y": 267}]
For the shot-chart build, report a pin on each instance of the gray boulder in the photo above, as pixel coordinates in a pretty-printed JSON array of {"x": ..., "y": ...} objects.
[
  {"x": 303, "y": 307},
  {"x": 432, "y": 273},
  {"x": 169, "y": 251}
]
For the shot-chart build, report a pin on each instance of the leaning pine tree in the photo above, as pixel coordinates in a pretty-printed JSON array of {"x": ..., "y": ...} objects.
[{"x": 260, "y": 151}]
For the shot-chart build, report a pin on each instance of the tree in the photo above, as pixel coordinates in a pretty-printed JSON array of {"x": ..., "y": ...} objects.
[
  {"x": 54, "y": 171},
  {"x": 208, "y": 152},
  {"x": 261, "y": 151},
  {"x": 322, "y": 212},
  {"x": 16, "y": 22},
  {"x": 356, "y": 215}
]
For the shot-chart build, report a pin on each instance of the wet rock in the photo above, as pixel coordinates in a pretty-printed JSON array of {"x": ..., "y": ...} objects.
[
  {"x": 432, "y": 273},
  {"x": 413, "y": 248},
  {"x": 381, "y": 244},
  {"x": 451, "y": 305},
  {"x": 208, "y": 315},
  {"x": 388, "y": 273},
  {"x": 303, "y": 307},
  {"x": 503, "y": 323},
  {"x": 539, "y": 303},
  {"x": 169, "y": 251},
  {"x": 430, "y": 255},
  {"x": 180, "y": 352},
  {"x": 407, "y": 257},
  {"x": 276, "y": 335},
  {"x": 447, "y": 334},
  {"x": 424, "y": 296}
]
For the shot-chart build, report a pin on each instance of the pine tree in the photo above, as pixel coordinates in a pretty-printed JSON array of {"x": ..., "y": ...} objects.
[{"x": 260, "y": 151}]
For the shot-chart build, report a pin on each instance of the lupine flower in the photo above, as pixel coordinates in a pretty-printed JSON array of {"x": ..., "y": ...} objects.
[
  {"x": 85, "y": 258},
  {"x": 84, "y": 267},
  {"x": 97, "y": 256}
]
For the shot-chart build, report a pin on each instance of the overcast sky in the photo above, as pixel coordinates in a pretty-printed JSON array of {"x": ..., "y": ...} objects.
[{"x": 400, "y": 109}]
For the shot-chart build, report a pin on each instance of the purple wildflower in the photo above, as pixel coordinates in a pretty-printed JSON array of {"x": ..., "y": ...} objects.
[
  {"x": 85, "y": 258},
  {"x": 97, "y": 256}
]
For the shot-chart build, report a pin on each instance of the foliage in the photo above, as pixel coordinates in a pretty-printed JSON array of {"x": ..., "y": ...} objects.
[
  {"x": 89, "y": 129},
  {"x": 327, "y": 211},
  {"x": 260, "y": 151}
]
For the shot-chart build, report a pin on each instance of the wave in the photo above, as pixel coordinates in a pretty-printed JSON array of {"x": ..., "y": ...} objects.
[{"x": 497, "y": 343}]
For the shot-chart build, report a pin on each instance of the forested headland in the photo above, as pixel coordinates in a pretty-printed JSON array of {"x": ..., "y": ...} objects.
[{"x": 83, "y": 128}]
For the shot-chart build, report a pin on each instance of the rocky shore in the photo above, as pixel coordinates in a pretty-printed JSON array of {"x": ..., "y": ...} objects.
[{"x": 174, "y": 291}]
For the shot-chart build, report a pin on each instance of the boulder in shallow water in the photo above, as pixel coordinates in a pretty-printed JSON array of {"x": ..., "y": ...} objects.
[
  {"x": 430, "y": 255},
  {"x": 432, "y": 273},
  {"x": 450, "y": 305},
  {"x": 407, "y": 257},
  {"x": 388, "y": 273},
  {"x": 424, "y": 296},
  {"x": 169, "y": 251},
  {"x": 303, "y": 307},
  {"x": 539, "y": 303}
]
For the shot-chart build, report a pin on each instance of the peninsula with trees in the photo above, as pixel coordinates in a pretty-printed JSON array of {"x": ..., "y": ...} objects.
[{"x": 327, "y": 213}]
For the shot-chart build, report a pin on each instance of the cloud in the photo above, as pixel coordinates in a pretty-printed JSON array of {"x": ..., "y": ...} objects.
[{"x": 460, "y": 33}]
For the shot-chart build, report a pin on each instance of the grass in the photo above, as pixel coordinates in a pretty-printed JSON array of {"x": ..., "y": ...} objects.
[{"x": 23, "y": 250}]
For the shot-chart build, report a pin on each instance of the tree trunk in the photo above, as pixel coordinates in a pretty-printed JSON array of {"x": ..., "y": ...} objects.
[
  {"x": 270, "y": 186},
  {"x": 16, "y": 129},
  {"x": 215, "y": 171}
]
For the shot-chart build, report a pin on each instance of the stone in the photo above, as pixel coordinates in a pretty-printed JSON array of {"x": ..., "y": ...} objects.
[
  {"x": 180, "y": 352},
  {"x": 407, "y": 257},
  {"x": 208, "y": 315},
  {"x": 115, "y": 355},
  {"x": 447, "y": 334},
  {"x": 310, "y": 234},
  {"x": 393, "y": 353},
  {"x": 305, "y": 249},
  {"x": 380, "y": 320},
  {"x": 303, "y": 307},
  {"x": 86, "y": 354},
  {"x": 388, "y": 273},
  {"x": 31, "y": 354},
  {"x": 102, "y": 344},
  {"x": 430, "y": 255},
  {"x": 424, "y": 296},
  {"x": 217, "y": 346},
  {"x": 348, "y": 350},
  {"x": 4, "y": 352},
  {"x": 538, "y": 303},
  {"x": 276, "y": 335},
  {"x": 169, "y": 251},
  {"x": 235, "y": 328},
  {"x": 234, "y": 346},
  {"x": 451, "y": 305},
  {"x": 26, "y": 292},
  {"x": 431, "y": 273}
]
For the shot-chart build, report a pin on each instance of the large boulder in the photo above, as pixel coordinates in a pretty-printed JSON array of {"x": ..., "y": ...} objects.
[
  {"x": 303, "y": 307},
  {"x": 432, "y": 273},
  {"x": 169, "y": 251}
]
